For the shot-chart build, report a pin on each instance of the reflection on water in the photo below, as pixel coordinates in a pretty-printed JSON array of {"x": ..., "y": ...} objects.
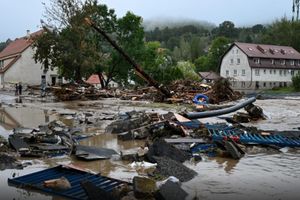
[{"x": 253, "y": 177}]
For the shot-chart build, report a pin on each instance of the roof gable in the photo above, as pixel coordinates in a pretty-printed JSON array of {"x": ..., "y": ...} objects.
[{"x": 18, "y": 45}]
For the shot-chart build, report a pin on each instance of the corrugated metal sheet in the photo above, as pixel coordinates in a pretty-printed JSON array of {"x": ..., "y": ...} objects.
[
  {"x": 218, "y": 133},
  {"x": 74, "y": 176}
]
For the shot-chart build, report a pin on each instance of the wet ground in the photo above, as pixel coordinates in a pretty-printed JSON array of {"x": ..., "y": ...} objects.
[{"x": 261, "y": 175}]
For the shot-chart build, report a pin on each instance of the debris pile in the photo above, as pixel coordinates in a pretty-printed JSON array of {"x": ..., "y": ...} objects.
[
  {"x": 46, "y": 141},
  {"x": 182, "y": 91}
]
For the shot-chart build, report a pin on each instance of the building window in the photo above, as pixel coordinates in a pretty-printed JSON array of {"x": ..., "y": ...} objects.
[
  {"x": 273, "y": 61},
  {"x": 292, "y": 72},
  {"x": 271, "y": 71},
  {"x": 256, "y": 60},
  {"x": 243, "y": 84},
  {"x": 282, "y": 62},
  {"x": 233, "y": 83},
  {"x": 232, "y": 51},
  {"x": 243, "y": 72},
  {"x": 227, "y": 72},
  {"x": 257, "y": 72},
  {"x": 274, "y": 71},
  {"x": 235, "y": 72},
  {"x": 265, "y": 71},
  {"x": 284, "y": 84},
  {"x": 231, "y": 61},
  {"x": 238, "y": 61},
  {"x": 265, "y": 84},
  {"x": 284, "y": 72},
  {"x": 237, "y": 51},
  {"x": 280, "y": 72},
  {"x": 1, "y": 64},
  {"x": 292, "y": 62},
  {"x": 270, "y": 84},
  {"x": 298, "y": 62}
]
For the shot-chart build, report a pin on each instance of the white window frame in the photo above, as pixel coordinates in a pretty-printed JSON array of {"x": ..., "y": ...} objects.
[
  {"x": 256, "y": 60},
  {"x": 292, "y": 62},
  {"x": 235, "y": 72},
  {"x": 243, "y": 72},
  {"x": 257, "y": 72},
  {"x": 273, "y": 62},
  {"x": 282, "y": 62}
]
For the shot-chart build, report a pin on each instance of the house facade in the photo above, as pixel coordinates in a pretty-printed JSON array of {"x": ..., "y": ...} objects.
[
  {"x": 17, "y": 64},
  {"x": 252, "y": 67}
]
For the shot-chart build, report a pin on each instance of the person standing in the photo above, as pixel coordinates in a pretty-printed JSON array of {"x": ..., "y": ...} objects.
[
  {"x": 20, "y": 89},
  {"x": 16, "y": 89}
]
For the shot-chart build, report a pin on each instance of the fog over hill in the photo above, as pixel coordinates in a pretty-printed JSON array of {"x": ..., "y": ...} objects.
[{"x": 161, "y": 23}]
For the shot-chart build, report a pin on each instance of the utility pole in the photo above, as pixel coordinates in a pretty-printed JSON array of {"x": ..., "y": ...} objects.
[
  {"x": 139, "y": 71},
  {"x": 296, "y": 5}
]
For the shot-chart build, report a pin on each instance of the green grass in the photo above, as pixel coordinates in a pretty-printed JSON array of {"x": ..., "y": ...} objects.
[{"x": 281, "y": 90}]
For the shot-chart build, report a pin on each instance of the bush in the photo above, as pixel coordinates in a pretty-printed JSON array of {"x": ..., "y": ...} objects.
[{"x": 296, "y": 82}]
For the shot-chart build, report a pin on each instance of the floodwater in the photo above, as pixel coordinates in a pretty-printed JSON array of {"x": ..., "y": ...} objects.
[{"x": 262, "y": 175}]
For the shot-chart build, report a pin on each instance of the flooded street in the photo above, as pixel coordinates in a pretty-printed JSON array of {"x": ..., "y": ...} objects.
[{"x": 256, "y": 176}]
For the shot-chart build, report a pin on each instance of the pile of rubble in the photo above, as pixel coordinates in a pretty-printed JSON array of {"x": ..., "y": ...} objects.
[{"x": 182, "y": 91}]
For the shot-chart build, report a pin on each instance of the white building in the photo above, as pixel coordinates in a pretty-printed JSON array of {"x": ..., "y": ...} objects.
[
  {"x": 17, "y": 63},
  {"x": 258, "y": 66}
]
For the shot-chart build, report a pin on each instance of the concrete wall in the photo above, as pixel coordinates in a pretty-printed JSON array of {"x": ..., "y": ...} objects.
[{"x": 25, "y": 70}]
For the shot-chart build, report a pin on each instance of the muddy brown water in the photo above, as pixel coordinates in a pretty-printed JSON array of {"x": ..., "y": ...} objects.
[{"x": 261, "y": 175}]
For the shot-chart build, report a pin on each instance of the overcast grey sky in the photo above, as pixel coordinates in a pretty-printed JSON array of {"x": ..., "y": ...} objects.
[{"x": 17, "y": 16}]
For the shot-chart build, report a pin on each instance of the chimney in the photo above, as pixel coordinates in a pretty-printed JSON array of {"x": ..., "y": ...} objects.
[{"x": 27, "y": 34}]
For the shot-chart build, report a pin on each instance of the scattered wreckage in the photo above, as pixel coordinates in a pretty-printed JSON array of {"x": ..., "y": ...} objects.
[{"x": 170, "y": 140}]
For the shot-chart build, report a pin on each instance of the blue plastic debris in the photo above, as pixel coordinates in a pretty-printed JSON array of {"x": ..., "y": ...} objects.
[
  {"x": 200, "y": 148},
  {"x": 74, "y": 176},
  {"x": 200, "y": 99},
  {"x": 218, "y": 133}
]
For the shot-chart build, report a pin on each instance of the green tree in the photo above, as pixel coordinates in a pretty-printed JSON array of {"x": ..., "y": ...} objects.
[
  {"x": 283, "y": 32},
  {"x": 296, "y": 82},
  {"x": 188, "y": 70},
  {"x": 211, "y": 61},
  {"x": 226, "y": 29}
]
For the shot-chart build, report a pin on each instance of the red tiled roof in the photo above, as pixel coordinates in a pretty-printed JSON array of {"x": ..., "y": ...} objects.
[
  {"x": 268, "y": 51},
  {"x": 93, "y": 79},
  {"x": 19, "y": 45}
]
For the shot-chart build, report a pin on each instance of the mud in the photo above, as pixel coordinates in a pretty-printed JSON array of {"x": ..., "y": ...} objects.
[{"x": 267, "y": 175}]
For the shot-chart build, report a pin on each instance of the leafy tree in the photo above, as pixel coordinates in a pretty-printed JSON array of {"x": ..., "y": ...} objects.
[
  {"x": 296, "y": 82},
  {"x": 212, "y": 60},
  {"x": 226, "y": 29},
  {"x": 188, "y": 70},
  {"x": 283, "y": 32},
  {"x": 69, "y": 44},
  {"x": 4, "y": 44}
]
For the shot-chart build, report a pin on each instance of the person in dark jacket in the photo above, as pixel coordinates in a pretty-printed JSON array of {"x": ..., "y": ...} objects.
[{"x": 20, "y": 89}]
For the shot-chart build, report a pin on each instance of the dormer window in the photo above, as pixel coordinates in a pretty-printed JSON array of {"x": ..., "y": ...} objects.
[
  {"x": 282, "y": 62},
  {"x": 292, "y": 62},
  {"x": 256, "y": 60},
  {"x": 273, "y": 61}
]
